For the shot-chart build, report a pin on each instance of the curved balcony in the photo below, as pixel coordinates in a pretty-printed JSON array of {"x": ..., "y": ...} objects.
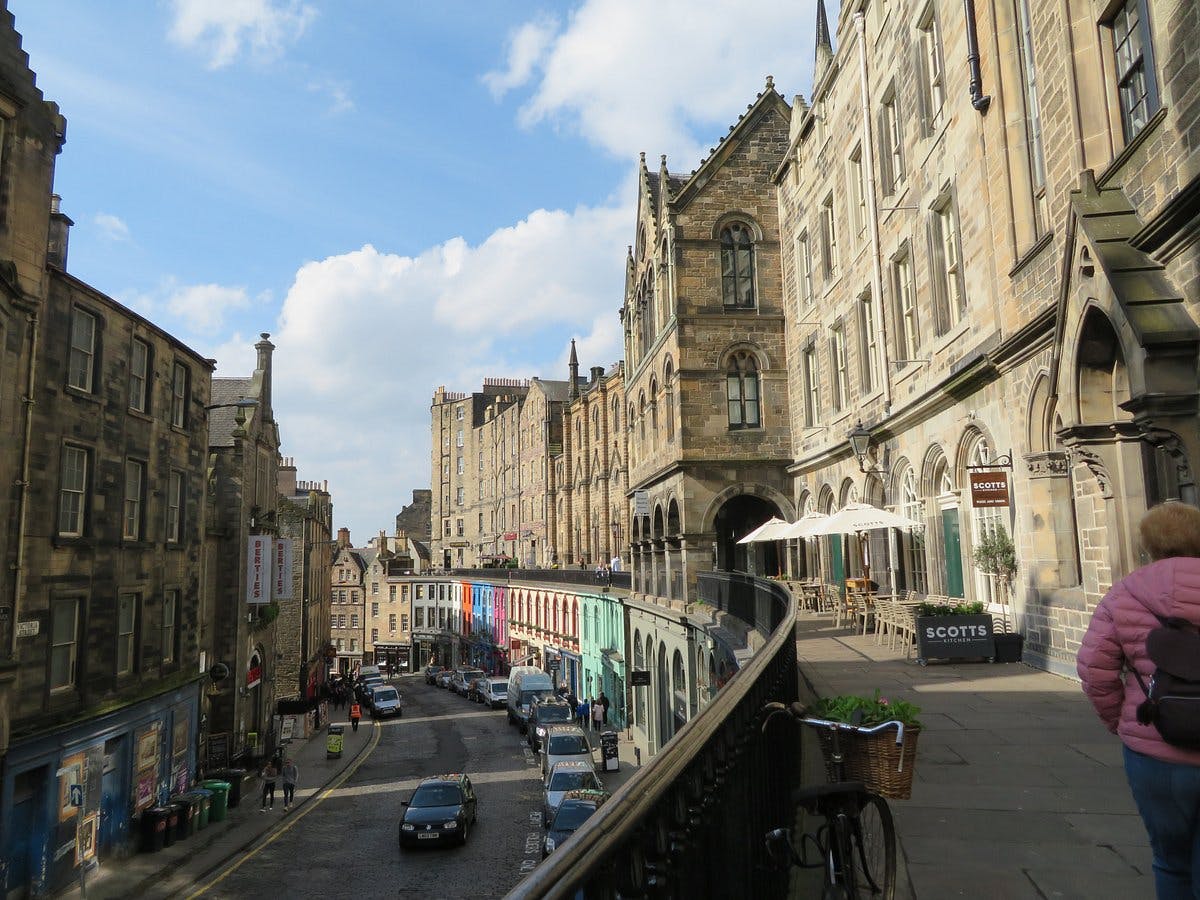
[{"x": 690, "y": 822}]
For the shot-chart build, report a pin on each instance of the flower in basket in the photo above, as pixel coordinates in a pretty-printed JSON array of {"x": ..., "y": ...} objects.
[
  {"x": 874, "y": 759},
  {"x": 868, "y": 711}
]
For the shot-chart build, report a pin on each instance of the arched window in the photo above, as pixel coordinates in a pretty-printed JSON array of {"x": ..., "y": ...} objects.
[
  {"x": 642, "y": 418},
  {"x": 741, "y": 390},
  {"x": 669, "y": 410},
  {"x": 912, "y": 540},
  {"x": 984, "y": 521},
  {"x": 737, "y": 265},
  {"x": 616, "y": 415}
]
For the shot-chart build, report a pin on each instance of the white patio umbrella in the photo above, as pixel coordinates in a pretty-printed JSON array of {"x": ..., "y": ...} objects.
[
  {"x": 767, "y": 531},
  {"x": 802, "y": 527},
  {"x": 856, "y": 518}
]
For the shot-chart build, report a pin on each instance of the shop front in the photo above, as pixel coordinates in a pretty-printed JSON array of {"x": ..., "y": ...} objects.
[
  {"x": 393, "y": 658},
  {"x": 432, "y": 648}
]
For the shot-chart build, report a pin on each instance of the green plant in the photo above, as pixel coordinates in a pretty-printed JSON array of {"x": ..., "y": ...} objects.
[
  {"x": 996, "y": 555},
  {"x": 266, "y": 615},
  {"x": 875, "y": 710},
  {"x": 974, "y": 608}
]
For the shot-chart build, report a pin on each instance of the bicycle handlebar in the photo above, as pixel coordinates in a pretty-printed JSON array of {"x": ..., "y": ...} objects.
[{"x": 861, "y": 729}]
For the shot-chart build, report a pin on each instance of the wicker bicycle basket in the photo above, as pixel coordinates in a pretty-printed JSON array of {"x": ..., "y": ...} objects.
[{"x": 874, "y": 759}]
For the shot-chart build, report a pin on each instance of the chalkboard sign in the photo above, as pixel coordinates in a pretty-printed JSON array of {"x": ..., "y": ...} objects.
[
  {"x": 639, "y": 678},
  {"x": 954, "y": 637},
  {"x": 218, "y": 751}
]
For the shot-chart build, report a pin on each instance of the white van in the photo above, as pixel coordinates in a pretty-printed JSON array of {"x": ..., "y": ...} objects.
[
  {"x": 526, "y": 684},
  {"x": 370, "y": 670},
  {"x": 385, "y": 701}
]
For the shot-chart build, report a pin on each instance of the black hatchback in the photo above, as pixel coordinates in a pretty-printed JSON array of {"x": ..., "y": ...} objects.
[
  {"x": 431, "y": 673},
  {"x": 542, "y": 716},
  {"x": 442, "y": 810}
]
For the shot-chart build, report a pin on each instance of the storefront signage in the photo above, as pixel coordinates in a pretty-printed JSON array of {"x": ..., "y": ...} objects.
[
  {"x": 954, "y": 637},
  {"x": 641, "y": 503},
  {"x": 509, "y": 536},
  {"x": 281, "y": 569},
  {"x": 989, "y": 488},
  {"x": 29, "y": 628},
  {"x": 218, "y": 751},
  {"x": 639, "y": 678},
  {"x": 258, "y": 567},
  {"x": 460, "y": 543},
  {"x": 254, "y": 677}
]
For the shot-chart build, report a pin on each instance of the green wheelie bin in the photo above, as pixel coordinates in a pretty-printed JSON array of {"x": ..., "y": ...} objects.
[{"x": 218, "y": 804}]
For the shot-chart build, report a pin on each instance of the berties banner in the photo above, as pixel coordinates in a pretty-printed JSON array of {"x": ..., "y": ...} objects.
[
  {"x": 258, "y": 569},
  {"x": 281, "y": 569}
]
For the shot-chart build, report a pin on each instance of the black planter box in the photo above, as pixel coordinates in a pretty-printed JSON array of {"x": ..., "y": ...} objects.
[
  {"x": 1009, "y": 647},
  {"x": 955, "y": 637}
]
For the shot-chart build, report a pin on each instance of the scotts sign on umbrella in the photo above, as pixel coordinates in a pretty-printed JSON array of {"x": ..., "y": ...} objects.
[{"x": 855, "y": 517}]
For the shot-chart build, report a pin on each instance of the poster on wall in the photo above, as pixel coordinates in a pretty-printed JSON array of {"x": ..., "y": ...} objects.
[
  {"x": 70, "y": 773},
  {"x": 179, "y": 742},
  {"x": 258, "y": 569},
  {"x": 281, "y": 569},
  {"x": 85, "y": 844},
  {"x": 143, "y": 791},
  {"x": 147, "y": 748}
]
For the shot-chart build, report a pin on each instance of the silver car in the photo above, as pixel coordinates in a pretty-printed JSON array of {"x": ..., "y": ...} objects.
[
  {"x": 570, "y": 775},
  {"x": 565, "y": 742}
]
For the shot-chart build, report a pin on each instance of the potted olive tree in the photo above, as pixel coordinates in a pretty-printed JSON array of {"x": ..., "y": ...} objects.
[{"x": 995, "y": 555}]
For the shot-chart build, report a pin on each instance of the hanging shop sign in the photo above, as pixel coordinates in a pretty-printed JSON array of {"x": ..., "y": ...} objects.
[
  {"x": 281, "y": 569},
  {"x": 639, "y": 678},
  {"x": 254, "y": 673},
  {"x": 509, "y": 536},
  {"x": 258, "y": 569},
  {"x": 989, "y": 489}
]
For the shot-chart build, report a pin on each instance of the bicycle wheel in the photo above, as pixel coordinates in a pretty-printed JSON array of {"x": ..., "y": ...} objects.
[{"x": 873, "y": 869}]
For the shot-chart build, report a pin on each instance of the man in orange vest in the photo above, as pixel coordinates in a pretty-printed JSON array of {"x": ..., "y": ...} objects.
[{"x": 355, "y": 715}]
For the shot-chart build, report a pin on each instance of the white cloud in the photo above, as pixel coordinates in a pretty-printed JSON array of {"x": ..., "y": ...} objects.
[
  {"x": 203, "y": 307},
  {"x": 526, "y": 48},
  {"x": 366, "y": 336},
  {"x": 664, "y": 77},
  {"x": 222, "y": 30},
  {"x": 111, "y": 227},
  {"x": 338, "y": 93}
]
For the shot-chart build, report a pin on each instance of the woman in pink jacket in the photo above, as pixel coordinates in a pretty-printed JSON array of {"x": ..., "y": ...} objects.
[{"x": 1164, "y": 778}]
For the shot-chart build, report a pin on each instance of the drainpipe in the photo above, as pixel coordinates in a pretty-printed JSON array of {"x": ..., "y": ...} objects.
[
  {"x": 979, "y": 100},
  {"x": 868, "y": 157},
  {"x": 23, "y": 500}
]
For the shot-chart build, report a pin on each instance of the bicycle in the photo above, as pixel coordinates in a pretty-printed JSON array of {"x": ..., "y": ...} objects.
[{"x": 856, "y": 842}]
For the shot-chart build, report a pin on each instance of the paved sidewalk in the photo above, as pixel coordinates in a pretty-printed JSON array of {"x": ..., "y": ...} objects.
[
  {"x": 175, "y": 870},
  {"x": 1020, "y": 792}
]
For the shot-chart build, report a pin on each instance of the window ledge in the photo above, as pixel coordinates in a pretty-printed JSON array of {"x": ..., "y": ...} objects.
[
  {"x": 1132, "y": 147},
  {"x": 954, "y": 334},
  {"x": 139, "y": 414},
  {"x": 1031, "y": 254},
  {"x": 81, "y": 394},
  {"x": 66, "y": 540}
]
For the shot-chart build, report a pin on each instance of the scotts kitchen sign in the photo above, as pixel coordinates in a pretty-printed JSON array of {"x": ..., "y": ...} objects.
[
  {"x": 953, "y": 637},
  {"x": 989, "y": 488}
]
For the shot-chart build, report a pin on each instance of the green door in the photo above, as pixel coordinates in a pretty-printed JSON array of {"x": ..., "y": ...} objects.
[
  {"x": 835, "y": 556},
  {"x": 953, "y": 545}
]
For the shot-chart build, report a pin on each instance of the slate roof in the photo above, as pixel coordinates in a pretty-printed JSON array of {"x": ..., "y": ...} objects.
[{"x": 222, "y": 422}]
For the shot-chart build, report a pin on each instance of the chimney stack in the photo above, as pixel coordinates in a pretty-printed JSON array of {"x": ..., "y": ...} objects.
[
  {"x": 343, "y": 537},
  {"x": 60, "y": 230},
  {"x": 597, "y": 374}
]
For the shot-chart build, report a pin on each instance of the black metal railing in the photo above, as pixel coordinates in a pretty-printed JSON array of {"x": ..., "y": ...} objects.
[
  {"x": 690, "y": 823},
  {"x": 585, "y": 578}
]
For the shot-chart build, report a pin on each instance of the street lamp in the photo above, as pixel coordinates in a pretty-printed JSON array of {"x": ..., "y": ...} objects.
[
  {"x": 860, "y": 444},
  {"x": 240, "y": 403}
]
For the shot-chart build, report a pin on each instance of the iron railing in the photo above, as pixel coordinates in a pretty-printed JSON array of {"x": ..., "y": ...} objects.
[
  {"x": 585, "y": 578},
  {"x": 691, "y": 822}
]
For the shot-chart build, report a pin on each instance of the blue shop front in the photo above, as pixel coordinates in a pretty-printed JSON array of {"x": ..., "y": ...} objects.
[{"x": 72, "y": 796}]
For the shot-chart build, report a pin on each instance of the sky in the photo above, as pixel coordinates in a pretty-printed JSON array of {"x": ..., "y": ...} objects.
[{"x": 403, "y": 195}]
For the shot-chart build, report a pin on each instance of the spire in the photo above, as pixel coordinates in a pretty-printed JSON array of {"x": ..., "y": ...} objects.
[
  {"x": 573, "y": 389},
  {"x": 824, "y": 44}
]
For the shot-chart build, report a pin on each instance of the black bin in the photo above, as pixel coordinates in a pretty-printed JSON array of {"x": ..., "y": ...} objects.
[
  {"x": 608, "y": 751},
  {"x": 172, "y": 829},
  {"x": 235, "y": 778},
  {"x": 186, "y": 807},
  {"x": 154, "y": 828}
]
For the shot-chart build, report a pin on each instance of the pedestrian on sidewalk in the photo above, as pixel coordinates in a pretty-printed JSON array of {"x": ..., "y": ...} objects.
[
  {"x": 597, "y": 715},
  {"x": 582, "y": 711},
  {"x": 1164, "y": 778},
  {"x": 291, "y": 775},
  {"x": 269, "y": 774},
  {"x": 355, "y": 715},
  {"x": 604, "y": 703}
]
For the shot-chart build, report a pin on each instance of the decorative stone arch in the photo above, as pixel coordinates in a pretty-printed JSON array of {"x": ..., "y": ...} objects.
[
  {"x": 847, "y": 492},
  {"x": 805, "y": 503},
  {"x": 737, "y": 216},
  {"x": 825, "y": 499},
  {"x": 766, "y": 492},
  {"x": 673, "y": 520},
  {"x": 659, "y": 520},
  {"x": 965, "y": 448},
  {"x": 731, "y": 351},
  {"x": 931, "y": 465}
]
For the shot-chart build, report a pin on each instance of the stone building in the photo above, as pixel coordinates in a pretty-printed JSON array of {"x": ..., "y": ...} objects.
[
  {"x": 241, "y": 523},
  {"x": 348, "y": 602},
  {"x": 305, "y": 519},
  {"x": 705, "y": 380},
  {"x": 414, "y": 519},
  {"x": 994, "y": 267},
  {"x": 388, "y": 605},
  {"x": 587, "y": 495}
]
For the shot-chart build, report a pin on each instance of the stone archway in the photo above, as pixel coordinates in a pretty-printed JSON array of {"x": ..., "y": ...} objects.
[{"x": 734, "y": 519}]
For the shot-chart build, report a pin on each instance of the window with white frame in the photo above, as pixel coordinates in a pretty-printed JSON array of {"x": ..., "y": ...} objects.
[
  {"x": 1033, "y": 115},
  {"x": 837, "y": 362},
  {"x": 374, "y": 635},
  {"x": 950, "y": 298},
  {"x": 179, "y": 388},
  {"x": 458, "y": 440},
  {"x": 812, "y": 387},
  {"x": 374, "y": 610},
  {"x": 392, "y": 622},
  {"x": 82, "y": 362},
  {"x": 135, "y": 480},
  {"x": 856, "y": 184},
  {"x": 64, "y": 641},
  {"x": 1137, "y": 85},
  {"x": 933, "y": 78},
  {"x": 460, "y": 496},
  {"x": 139, "y": 375},
  {"x": 804, "y": 277},
  {"x": 891, "y": 148},
  {"x": 72, "y": 495},
  {"x": 868, "y": 346},
  {"x": 353, "y": 620},
  {"x": 908, "y": 335},
  {"x": 741, "y": 390},
  {"x": 829, "y": 246},
  {"x": 127, "y": 605},
  {"x": 167, "y": 634},
  {"x": 912, "y": 540},
  {"x": 175, "y": 508},
  {"x": 458, "y": 413},
  {"x": 462, "y": 466},
  {"x": 418, "y": 617},
  {"x": 403, "y": 622}
]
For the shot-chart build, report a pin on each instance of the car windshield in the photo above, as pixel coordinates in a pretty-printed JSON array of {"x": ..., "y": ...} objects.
[
  {"x": 568, "y": 743},
  {"x": 571, "y": 816},
  {"x": 473, "y": 674},
  {"x": 530, "y": 697},
  {"x": 385, "y": 694},
  {"x": 499, "y": 688},
  {"x": 554, "y": 713},
  {"x": 573, "y": 781},
  {"x": 436, "y": 795}
]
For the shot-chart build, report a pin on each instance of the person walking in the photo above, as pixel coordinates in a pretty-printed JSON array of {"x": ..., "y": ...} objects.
[
  {"x": 582, "y": 711},
  {"x": 604, "y": 703},
  {"x": 355, "y": 715},
  {"x": 597, "y": 715},
  {"x": 269, "y": 774},
  {"x": 1164, "y": 778},
  {"x": 291, "y": 775}
]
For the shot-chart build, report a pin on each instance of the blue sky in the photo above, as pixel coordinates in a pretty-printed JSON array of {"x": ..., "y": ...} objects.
[{"x": 402, "y": 194}]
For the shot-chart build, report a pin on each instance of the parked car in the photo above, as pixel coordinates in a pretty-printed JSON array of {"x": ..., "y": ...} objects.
[
  {"x": 385, "y": 701},
  {"x": 442, "y": 679},
  {"x": 460, "y": 683},
  {"x": 526, "y": 685},
  {"x": 542, "y": 715},
  {"x": 571, "y": 775},
  {"x": 366, "y": 671},
  {"x": 475, "y": 688},
  {"x": 494, "y": 692},
  {"x": 442, "y": 809},
  {"x": 575, "y": 809},
  {"x": 563, "y": 742},
  {"x": 431, "y": 673}
]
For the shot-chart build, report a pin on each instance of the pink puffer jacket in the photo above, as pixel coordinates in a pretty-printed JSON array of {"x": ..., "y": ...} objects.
[{"x": 1116, "y": 638}]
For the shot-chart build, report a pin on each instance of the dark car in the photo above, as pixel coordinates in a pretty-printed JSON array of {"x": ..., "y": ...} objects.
[
  {"x": 460, "y": 681},
  {"x": 441, "y": 810},
  {"x": 575, "y": 809},
  {"x": 431, "y": 673},
  {"x": 476, "y": 688},
  {"x": 442, "y": 678},
  {"x": 544, "y": 714}
]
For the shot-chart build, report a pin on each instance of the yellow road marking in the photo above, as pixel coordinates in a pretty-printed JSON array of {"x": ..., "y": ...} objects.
[{"x": 283, "y": 828}]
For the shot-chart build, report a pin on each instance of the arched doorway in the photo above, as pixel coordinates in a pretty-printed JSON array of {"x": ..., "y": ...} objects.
[
  {"x": 736, "y": 518},
  {"x": 664, "y": 725}
]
